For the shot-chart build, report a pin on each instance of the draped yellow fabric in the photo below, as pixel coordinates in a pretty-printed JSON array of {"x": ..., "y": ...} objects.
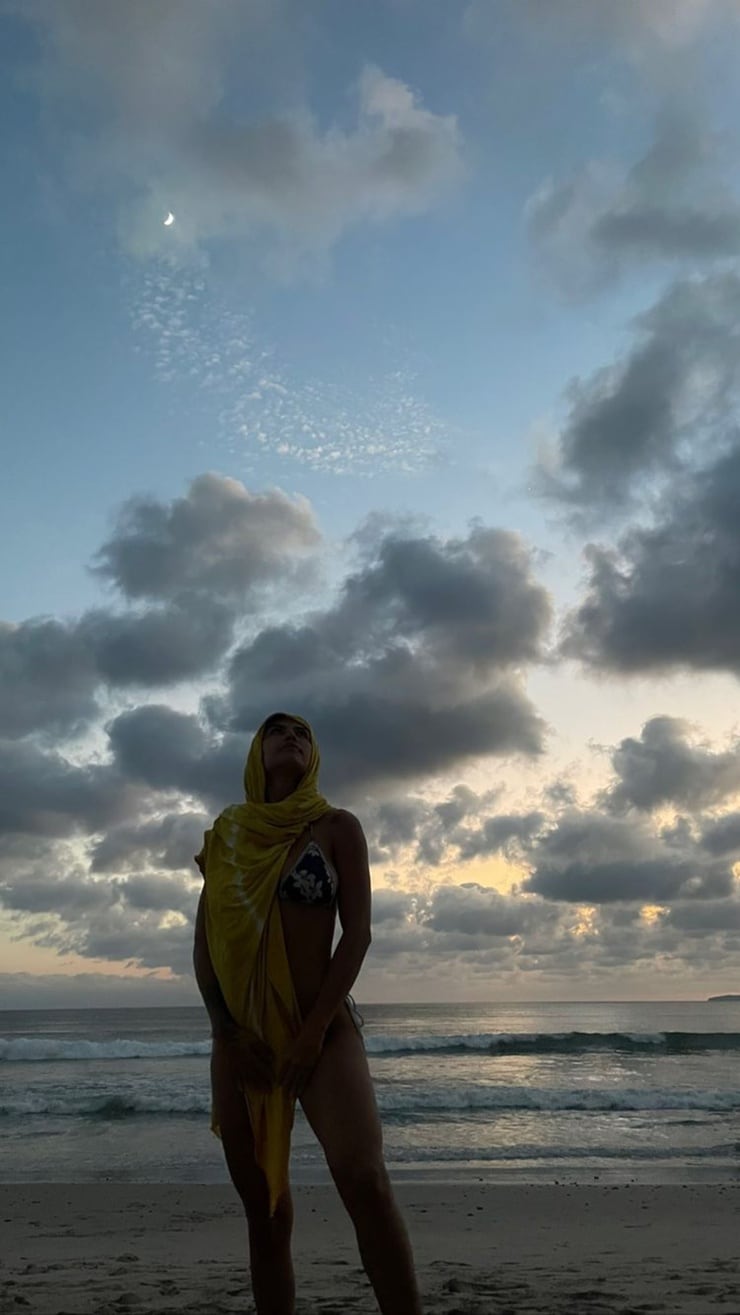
[{"x": 244, "y": 854}]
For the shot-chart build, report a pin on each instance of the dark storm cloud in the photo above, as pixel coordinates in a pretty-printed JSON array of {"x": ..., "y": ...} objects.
[
  {"x": 415, "y": 668},
  {"x": 396, "y": 823},
  {"x": 44, "y": 794},
  {"x": 441, "y": 821},
  {"x": 41, "y": 876},
  {"x": 477, "y": 910},
  {"x": 497, "y": 833},
  {"x": 47, "y": 678},
  {"x": 164, "y": 842},
  {"x": 461, "y": 824},
  {"x": 667, "y": 597},
  {"x": 160, "y": 646},
  {"x": 202, "y": 558},
  {"x": 721, "y": 835},
  {"x": 461, "y": 803},
  {"x": 591, "y": 858},
  {"x": 472, "y": 600},
  {"x": 366, "y": 737},
  {"x": 153, "y": 892},
  {"x": 404, "y": 822},
  {"x": 671, "y": 399},
  {"x": 55, "y": 903},
  {"x": 219, "y": 538},
  {"x": 392, "y": 906},
  {"x": 50, "y": 672},
  {"x": 121, "y": 932},
  {"x": 663, "y": 767},
  {"x": 156, "y": 746},
  {"x": 702, "y": 916}
]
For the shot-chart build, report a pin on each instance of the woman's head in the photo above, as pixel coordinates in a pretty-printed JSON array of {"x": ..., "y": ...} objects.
[{"x": 283, "y": 752}]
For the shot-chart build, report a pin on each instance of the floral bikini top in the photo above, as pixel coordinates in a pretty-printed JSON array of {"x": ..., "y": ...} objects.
[{"x": 311, "y": 880}]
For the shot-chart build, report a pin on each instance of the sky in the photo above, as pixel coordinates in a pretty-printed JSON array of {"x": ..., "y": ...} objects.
[{"x": 378, "y": 363}]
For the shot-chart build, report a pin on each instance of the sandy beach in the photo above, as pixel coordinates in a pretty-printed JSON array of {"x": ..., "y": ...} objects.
[{"x": 94, "y": 1249}]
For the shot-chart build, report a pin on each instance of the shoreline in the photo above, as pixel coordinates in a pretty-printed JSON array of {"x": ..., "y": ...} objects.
[
  {"x": 619, "y": 1171},
  {"x": 481, "y": 1249}
]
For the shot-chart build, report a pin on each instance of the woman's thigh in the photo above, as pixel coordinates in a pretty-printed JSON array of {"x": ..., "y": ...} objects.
[
  {"x": 339, "y": 1101},
  {"x": 230, "y": 1108}
]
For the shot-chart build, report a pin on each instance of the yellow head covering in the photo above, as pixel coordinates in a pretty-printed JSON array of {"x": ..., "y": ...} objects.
[{"x": 243, "y": 858}]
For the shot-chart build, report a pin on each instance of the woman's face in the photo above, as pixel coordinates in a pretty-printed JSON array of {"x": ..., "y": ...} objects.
[{"x": 286, "y": 745}]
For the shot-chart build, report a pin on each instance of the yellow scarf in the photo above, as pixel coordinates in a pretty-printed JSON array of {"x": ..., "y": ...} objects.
[{"x": 244, "y": 855}]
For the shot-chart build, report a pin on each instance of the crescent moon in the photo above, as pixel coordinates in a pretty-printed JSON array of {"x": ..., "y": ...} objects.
[{"x": 169, "y": 221}]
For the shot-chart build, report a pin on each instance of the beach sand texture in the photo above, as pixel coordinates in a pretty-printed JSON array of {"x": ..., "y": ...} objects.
[{"x": 612, "y": 1250}]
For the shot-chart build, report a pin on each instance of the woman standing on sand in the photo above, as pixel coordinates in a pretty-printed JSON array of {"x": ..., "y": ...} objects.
[{"x": 277, "y": 869}]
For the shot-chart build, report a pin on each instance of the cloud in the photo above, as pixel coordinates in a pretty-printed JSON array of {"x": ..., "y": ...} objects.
[
  {"x": 478, "y": 911},
  {"x": 143, "y": 916},
  {"x": 44, "y": 794},
  {"x": 167, "y": 138},
  {"x": 160, "y": 646},
  {"x": 721, "y": 835},
  {"x": 411, "y": 824},
  {"x": 219, "y": 538},
  {"x": 505, "y": 834},
  {"x": 705, "y": 916},
  {"x": 666, "y": 597},
  {"x": 167, "y": 750},
  {"x": 47, "y": 678},
  {"x": 52, "y": 673},
  {"x": 591, "y": 858},
  {"x": 162, "y": 842},
  {"x": 458, "y": 828},
  {"x": 53, "y": 901},
  {"x": 673, "y": 206},
  {"x": 648, "y": 34},
  {"x": 393, "y": 906},
  {"x": 417, "y": 665},
  {"x": 284, "y": 175},
  {"x": 115, "y": 927},
  {"x": 670, "y": 403},
  {"x": 393, "y": 824},
  {"x": 252, "y": 399},
  {"x": 117, "y": 50},
  {"x": 199, "y": 562},
  {"x": 662, "y": 767}
]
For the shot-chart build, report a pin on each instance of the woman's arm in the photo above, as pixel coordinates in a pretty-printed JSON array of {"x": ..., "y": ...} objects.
[
  {"x": 354, "y": 906},
  {"x": 250, "y": 1059},
  {"x": 221, "y": 1020}
]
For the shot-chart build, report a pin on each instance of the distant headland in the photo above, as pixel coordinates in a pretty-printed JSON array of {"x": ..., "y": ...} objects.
[{"x": 711, "y": 998}]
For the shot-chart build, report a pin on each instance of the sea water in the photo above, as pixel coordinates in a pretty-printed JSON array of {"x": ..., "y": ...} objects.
[{"x": 618, "y": 1092}]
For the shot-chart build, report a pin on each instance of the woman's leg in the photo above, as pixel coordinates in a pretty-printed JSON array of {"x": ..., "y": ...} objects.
[
  {"x": 271, "y": 1264},
  {"x": 339, "y": 1103}
]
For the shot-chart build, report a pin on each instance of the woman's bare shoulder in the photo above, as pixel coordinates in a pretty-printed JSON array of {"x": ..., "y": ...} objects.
[{"x": 342, "y": 819}]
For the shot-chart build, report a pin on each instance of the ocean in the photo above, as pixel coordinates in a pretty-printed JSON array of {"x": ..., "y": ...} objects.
[{"x": 646, "y": 1092}]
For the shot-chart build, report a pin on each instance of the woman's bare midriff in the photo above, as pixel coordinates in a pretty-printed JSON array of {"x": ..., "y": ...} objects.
[{"x": 309, "y": 931}]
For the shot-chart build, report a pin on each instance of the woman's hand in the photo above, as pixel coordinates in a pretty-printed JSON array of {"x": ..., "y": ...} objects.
[
  {"x": 248, "y": 1057},
  {"x": 300, "y": 1059}
]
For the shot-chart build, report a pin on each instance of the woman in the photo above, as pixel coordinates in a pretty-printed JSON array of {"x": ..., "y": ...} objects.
[{"x": 277, "y": 869}]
